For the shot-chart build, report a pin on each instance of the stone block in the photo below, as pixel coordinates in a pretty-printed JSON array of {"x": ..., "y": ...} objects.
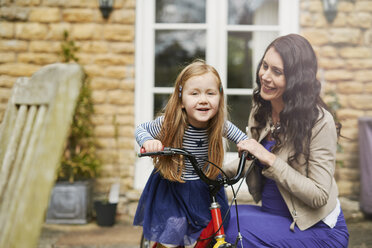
[
  {"x": 356, "y": 52},
  {"x": 120, "y": 97},
  {"x": 126, "y": 143},
  {"x": 45, "y": 46},
  {"x": 94, "y": 70},
  {"x": 348, "y": 113},
  {"x": 361, "y": 102},
  {"x": 122, "y": 47},
  {"x": 7, "y": 57},
  {"x": 126, "y": 131},
  {"x": 5, "y": 94},
  {"x": 363, "y": 63},
  {"x": 329, "y": 64},
  {"x": 101, "y": 83},
  {"x": 82, "y": 4},
  {"x": 340, "y": 20},
  {"x": 102, "y": 119},
  {"x": 368, "y": 87},
  {"x": 315, "y": 36},
  {"x": 27, "y": 2},
  {"x": 56, "y": 30},
  {"x": 7, "y": 81},
  {"x": 107, "y": 109},
  {"x": 116, "y": 32},
  {"x": 360, "y": 20},
  {"x": 106, "y": 142},
  {"x": 18, "y": 69},
  {"x": 78, "y": 15},
  {"x": 6, "y": 30},
  {"x": 13, "y": 45},
  {"x": 99, "y": 96},
  {"x": 328, "y": 51},
  {"x": 45, "y": 15},
  {"x": 126, "y": 110},
  {"x": 55, "y": 3},
  {"x": 127, "y": 84},
  {"x": 124, "y": 16},
  {"x": 338, "y": 75},
  {"x": 38, "y": 58},
  {"x": 14, "y": 13},
  {"x": 104, "y": 131},
  {"x": 115, "y": 71},
  {"x": 86, "y": 31},
  {"x": 114, "y": 59},
  {"x": 344, "y": 6},
  {"x": 93, "y": 46},
  {"x": 346, "y": 188},
  {"x": 125, "y": 119},
  {"x": 350, "y": 87},
  {"x": 363, "y": 6},
  {"x": 31, "y": 31},
  {"x": 363, "y": 76},
  {"x": 345, "y": 36}
]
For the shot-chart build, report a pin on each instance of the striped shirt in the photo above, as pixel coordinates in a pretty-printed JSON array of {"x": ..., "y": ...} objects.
[{"x": 195, "y": 141}]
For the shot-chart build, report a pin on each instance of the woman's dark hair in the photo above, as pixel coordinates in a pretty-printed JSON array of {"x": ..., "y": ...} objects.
[{"x": 301, "y": 96}]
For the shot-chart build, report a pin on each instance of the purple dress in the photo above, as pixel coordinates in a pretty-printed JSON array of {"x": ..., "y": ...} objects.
[{"x": 268, "y": 225}]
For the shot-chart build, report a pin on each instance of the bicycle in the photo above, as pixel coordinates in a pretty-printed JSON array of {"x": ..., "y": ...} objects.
[{"x": 214, "y": 186}]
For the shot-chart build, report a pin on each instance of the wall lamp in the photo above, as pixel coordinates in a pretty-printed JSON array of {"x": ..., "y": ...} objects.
[
  {"x": 106, "y": 7},
  {"x": 330, "y": 9}
]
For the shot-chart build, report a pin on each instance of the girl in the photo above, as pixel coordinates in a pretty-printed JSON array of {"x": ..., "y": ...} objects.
[{"x": 174, "y": 206}]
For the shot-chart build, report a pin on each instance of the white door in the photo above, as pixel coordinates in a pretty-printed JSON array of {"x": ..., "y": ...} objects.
[{"x": 231, "y": 35}]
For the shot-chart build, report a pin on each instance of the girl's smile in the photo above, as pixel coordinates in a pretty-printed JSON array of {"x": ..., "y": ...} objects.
[{"x": 200, "y": 99}]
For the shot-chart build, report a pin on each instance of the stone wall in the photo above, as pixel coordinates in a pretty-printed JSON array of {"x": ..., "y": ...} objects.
[
  {"x": 31, "y": 32},
  {"x": 344, "y": 50}
]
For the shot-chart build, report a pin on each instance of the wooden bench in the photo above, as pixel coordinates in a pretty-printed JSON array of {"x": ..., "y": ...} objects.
[{"x": 32, "y": 137}]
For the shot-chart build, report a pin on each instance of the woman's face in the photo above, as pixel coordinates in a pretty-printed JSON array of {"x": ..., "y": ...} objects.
[{"x": 271, "y": 75}]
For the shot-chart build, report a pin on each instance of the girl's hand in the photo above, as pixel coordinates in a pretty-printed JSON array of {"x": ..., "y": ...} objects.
[
  {"x": 257, "y": 150},
  {"x": 153, "y": 145}
]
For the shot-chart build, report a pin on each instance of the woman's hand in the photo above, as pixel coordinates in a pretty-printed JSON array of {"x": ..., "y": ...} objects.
[
  {"x": 257, "y": 150},
  {"x": 153, "y": 145}
]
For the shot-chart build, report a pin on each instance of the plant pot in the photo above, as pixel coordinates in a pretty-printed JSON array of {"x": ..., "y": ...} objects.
[
  {"x": 105, "y": 213},
  {"x": 70, "y": 203}
]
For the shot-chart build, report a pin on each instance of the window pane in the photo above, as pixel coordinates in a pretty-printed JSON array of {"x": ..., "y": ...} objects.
[
  {"x": 160, "y": 101},
  {"x": 245, "y": 49},
  {"x": 253, "y": 12},
  {"x": 180, "y": 11},
  {"x": 173, "y": 49},
  {"x": 239, "y": 109}
]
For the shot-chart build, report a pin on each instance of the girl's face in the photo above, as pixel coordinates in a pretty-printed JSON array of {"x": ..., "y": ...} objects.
[
  {"x": 272, "y": 77},
  {"x": 200, "y": 99}
]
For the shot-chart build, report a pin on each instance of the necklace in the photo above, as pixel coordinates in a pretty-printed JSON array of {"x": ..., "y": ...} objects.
[{"x": 275, "y": 128}]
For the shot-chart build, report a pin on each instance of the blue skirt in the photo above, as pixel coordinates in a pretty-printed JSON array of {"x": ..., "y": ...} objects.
[
  {"x": 263, "y": 229},
  {"x": 175, "y": 213}
]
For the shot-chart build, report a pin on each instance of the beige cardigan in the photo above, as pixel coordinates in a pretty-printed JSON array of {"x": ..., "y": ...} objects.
[{"x": 309, "y": 198}]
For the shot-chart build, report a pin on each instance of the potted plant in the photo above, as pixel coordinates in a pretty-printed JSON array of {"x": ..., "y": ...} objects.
[
  {"x": 105, "y": 209},
  {"x": 70, "y": 201}
]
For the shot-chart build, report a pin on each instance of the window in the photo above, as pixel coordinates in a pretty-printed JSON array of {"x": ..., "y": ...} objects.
[{"x": 231, "y": 35}]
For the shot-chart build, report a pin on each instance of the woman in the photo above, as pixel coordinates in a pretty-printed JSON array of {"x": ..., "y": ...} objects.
[{"x": 294, "y": 140}]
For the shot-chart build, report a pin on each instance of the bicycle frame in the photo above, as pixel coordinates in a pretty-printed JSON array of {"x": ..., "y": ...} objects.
[{"x": 215, "y": 228}]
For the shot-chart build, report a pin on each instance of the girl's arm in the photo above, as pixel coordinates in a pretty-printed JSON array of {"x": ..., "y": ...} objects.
[
  {"x": 148, "y": 131},
  {"x": 233, "y": 133}
]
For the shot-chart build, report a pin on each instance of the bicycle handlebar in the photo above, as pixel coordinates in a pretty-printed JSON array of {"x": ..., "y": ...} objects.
[{"x": 169, "y": 151}]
